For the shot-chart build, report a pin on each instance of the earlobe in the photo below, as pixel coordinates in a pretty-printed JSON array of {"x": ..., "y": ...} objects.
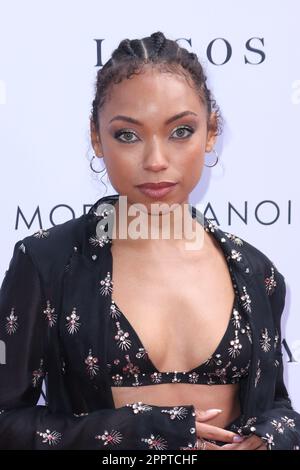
[
  {"x": 210, "y": 143},
  {"x": 95, "y": 138},
  {"x": 211, "y": 133}
]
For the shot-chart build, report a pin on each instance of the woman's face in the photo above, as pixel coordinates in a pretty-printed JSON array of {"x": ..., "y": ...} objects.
[{"x": 158, "y": 146}]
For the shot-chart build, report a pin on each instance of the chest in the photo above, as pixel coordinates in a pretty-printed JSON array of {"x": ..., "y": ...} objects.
[{"x": 178, "y": 306}]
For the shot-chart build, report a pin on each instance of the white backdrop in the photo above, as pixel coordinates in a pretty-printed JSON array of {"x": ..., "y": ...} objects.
[{"x": 48, "y": 65}]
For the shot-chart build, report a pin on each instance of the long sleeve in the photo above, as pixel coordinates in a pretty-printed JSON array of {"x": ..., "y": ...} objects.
[
  {"x": 279, "y": 426},
  {"x": 23, "y": 367}
]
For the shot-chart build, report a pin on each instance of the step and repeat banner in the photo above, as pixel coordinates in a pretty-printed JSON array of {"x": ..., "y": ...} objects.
[{"x": 49, "y": 56}]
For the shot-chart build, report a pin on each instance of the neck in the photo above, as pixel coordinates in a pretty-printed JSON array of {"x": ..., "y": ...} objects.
[{"x": 170, "y": 227}]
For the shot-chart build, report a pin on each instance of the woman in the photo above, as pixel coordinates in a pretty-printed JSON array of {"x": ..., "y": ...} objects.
[{"x": 134, "y": 354}]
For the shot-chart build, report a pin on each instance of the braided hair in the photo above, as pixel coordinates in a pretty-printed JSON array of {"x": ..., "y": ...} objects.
[{"x": 166, "y": 55}]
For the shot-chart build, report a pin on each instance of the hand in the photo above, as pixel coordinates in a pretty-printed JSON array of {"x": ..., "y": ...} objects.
[
  {"x": 208, "y": 431},
  {"x": 252, "y": 442}
]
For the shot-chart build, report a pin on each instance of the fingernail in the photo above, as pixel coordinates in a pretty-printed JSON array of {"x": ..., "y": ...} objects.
[
  {"x": 214, "y": 410},
  {"x": 238, "y": 438}
]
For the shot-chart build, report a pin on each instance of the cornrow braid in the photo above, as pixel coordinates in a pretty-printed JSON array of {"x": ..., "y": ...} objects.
[
  {"x": 126, "y": 46},
  {"x": 132, "y": 55},
  {"x": 159, "y": 42}
]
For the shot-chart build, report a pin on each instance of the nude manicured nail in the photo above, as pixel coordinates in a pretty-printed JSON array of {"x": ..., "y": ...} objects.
[
  {"x": 214, "y": 410},
  {"x": 238, "y": 438}
]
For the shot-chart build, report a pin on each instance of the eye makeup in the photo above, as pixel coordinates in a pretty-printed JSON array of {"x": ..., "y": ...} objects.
[{"x": 120, "y": 132}]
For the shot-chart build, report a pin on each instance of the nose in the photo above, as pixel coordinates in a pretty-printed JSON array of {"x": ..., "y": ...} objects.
[{"x": 155, "y": 158}]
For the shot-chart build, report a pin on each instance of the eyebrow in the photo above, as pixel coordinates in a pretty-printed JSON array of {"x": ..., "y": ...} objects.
[{"x": 121, "y": 117}]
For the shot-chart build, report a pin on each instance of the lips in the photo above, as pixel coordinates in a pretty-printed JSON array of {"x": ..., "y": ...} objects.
[
  {"x": 163, "y": 184},
  {"x": 156, "y": 190}
]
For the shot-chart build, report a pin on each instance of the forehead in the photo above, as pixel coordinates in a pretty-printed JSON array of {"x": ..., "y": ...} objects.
[{"x": 152, "y": 93}]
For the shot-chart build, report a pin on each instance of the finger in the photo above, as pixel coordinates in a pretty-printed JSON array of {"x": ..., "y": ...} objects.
[
  {"x": 249, "y": 443},
  {"x": 211, "y": 446},
  {"x": 241, "y": 446},
  {"x": 208, "y": 445},
  {"x": 262, "y": 447},
  {"x": 209, "y": 431},
  {"x": 205, "y": 415}
]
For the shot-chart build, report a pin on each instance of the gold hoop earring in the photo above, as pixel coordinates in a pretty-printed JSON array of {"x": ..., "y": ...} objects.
[{"x": 217, "y": 155}]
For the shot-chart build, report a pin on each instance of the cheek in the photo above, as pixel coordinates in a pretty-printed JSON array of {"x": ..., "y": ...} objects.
[
  {"x": 192, "y": 165},
  {"x": 194, "y": 153},
  {"x": 118, "y": 168},
  {"x": 191, "y": 170}
]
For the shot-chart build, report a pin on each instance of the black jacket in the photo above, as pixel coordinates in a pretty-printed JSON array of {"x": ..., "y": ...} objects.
[{"x": 55, "y": 270}]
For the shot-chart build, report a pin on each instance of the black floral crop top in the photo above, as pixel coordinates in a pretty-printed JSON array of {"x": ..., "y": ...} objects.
[{"x": 130, "y": 365}]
